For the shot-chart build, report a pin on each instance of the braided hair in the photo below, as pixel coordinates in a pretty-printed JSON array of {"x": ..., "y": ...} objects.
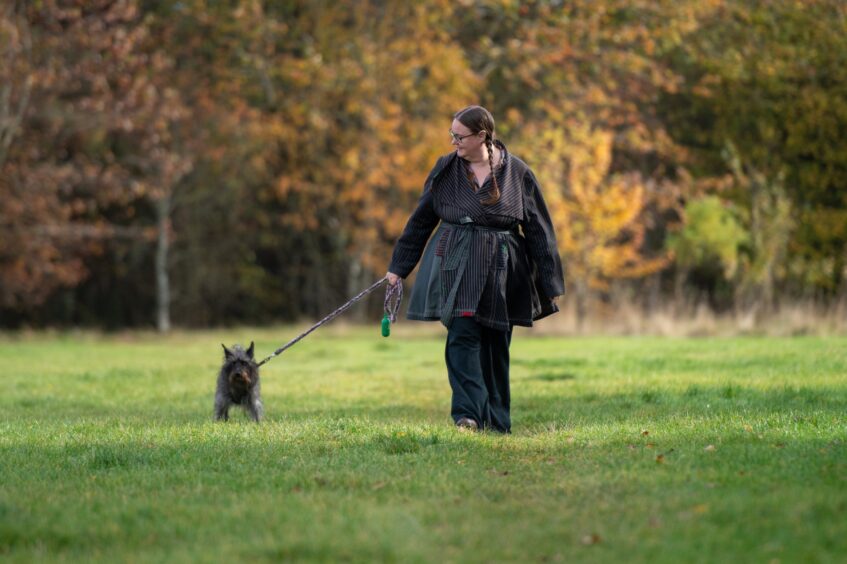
[{"x": 477, "y": 118}]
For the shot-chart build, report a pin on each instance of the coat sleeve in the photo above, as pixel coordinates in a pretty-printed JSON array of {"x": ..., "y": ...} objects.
[
  {"x": 541, "y": 239},
  {"x": 410, "y": 245}
]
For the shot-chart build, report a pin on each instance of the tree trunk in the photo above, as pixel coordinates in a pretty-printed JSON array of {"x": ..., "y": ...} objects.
[
  {"x": 581, "y": 304},
  {"x": 653, "y": 292},
  {"x": 163, "y": 297},
  {"x": 679, "y": 291},
  {"x": 355, "y": 278}
]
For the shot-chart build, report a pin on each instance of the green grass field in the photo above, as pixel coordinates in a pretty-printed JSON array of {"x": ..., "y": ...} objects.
[{"x": 624, "y": 449}]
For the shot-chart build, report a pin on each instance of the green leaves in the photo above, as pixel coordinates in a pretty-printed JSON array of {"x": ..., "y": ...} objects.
[
  {"x": 305, "y": 130},
  {"x": 711, "y": 233}
]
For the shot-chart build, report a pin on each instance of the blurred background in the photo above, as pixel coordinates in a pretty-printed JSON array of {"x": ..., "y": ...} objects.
[{"x": 197, "y": 163}]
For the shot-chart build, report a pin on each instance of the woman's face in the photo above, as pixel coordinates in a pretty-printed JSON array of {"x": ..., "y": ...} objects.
[{"x": 465, "y": 146}]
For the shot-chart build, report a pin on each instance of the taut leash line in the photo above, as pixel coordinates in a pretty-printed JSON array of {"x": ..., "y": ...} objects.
[{"x": 391, "y": 311}]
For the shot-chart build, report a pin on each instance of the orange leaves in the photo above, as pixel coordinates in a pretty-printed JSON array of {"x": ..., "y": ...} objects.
[
  {"x": 370, "y": 136},
  {"x": 597, "y": 214},
  {"x": 283, "y": 186}
]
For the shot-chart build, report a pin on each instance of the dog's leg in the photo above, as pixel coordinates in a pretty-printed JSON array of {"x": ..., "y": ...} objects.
[
  {"x": 221, "y": 408},
  {"x": 254, "y": 408},
  {"x": 253, "y": 403}
]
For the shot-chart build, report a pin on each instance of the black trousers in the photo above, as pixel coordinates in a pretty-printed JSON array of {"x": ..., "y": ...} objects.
[{"x": 478, "y": 368}]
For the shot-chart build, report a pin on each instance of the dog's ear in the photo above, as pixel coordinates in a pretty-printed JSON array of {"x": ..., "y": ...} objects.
[
  {"x": 227, "y": 353},
  {"x": 250, "y": 350}
]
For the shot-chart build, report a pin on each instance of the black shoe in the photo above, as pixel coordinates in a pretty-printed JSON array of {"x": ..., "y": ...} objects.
[{"x": 466, "y": 424}]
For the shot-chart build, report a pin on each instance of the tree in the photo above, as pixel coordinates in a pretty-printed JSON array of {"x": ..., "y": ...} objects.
[
  {"x": 769, "y": 79},
  {"x": 709, "y": 243},
  {"x": 597, "y": 214}
]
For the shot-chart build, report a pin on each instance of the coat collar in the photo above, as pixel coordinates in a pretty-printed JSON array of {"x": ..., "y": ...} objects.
[{"x": 451, "y": 176}]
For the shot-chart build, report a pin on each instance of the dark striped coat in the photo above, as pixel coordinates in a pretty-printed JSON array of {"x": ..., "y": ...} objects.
[{"x": 497, "y": 263}]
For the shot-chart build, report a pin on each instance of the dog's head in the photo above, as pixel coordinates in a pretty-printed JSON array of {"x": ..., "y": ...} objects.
[{"x": 240, "y": 366}]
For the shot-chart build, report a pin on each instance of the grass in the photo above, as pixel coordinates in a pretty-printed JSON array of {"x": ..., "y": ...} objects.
[{"x": 624, "y": 449}]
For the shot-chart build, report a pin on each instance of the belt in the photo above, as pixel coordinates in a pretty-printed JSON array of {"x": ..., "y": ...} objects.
[{"x": 468, "y": 223}]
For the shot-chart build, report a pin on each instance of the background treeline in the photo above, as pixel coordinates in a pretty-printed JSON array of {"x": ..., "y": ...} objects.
[{"x": 247, "y": 162}]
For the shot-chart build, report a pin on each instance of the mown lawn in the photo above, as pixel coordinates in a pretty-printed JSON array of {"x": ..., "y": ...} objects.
[{"x": 624, "y": 449}]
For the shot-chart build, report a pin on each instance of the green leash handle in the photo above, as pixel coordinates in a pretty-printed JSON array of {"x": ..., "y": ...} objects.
[{"x": 386, "y": 326}]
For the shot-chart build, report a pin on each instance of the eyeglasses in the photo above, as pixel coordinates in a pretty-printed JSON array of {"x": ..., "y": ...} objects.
[{"x": 458, "y": 138}]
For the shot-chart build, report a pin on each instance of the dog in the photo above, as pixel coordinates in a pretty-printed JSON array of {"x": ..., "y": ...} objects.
[{"x": 238, "y": 384}]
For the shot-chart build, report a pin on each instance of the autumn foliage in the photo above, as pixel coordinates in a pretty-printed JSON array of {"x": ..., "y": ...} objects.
[{"x": 250, "y": 161}]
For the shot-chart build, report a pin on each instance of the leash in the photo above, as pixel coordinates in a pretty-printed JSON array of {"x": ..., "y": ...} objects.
[
  {"x": 391, "y": 305},
  {"x": 393, "y": 296}
]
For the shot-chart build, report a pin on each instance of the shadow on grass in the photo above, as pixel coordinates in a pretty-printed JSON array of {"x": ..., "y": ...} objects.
[
  {"x": 538, "y": 407},
  {"x": 552, "y": 376},
  {"x": 540, "y": 413},
  {"x": 803, "y": 404}
]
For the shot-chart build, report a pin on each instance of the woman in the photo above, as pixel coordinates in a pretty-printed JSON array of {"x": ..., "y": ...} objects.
[{"x": 492, "y": 264}]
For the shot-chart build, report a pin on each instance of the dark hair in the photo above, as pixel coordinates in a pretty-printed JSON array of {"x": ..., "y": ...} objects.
[{"x": 477, "y": 118}]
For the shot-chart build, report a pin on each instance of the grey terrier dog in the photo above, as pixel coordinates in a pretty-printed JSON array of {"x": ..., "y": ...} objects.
[{"x": 238, "y": 384}]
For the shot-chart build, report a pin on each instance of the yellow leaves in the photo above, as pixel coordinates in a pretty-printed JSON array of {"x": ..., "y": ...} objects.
[
  {"x": 649, "y": 46},
  {"x": 616, "y": 206},
  {"x": 351, "y": 158},
  {"x": 597, "y": 215},
  {"x": 355, "y": 121}
]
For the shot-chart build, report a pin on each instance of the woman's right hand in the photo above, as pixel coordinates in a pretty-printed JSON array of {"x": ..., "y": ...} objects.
[{"x": 392, "y": 278}]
